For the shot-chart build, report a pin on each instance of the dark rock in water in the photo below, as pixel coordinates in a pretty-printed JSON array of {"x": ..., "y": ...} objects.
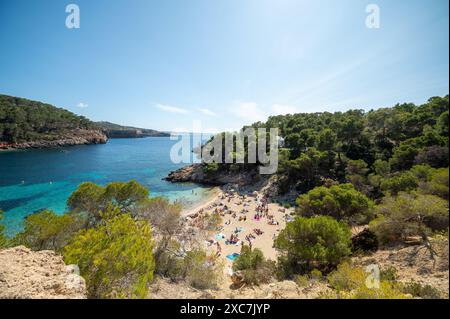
[{"x": 194, "y": 173}]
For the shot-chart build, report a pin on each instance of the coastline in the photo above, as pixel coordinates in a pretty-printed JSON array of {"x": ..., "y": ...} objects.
[{"x": 205, "y": 202}]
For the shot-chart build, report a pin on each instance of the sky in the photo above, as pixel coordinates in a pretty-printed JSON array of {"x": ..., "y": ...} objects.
[{"x": 221, "y": 64}]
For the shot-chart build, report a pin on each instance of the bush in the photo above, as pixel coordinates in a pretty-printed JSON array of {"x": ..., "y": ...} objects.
[
  {"x": 46, "y": 230},
  {"x": 364, "y": 242},
  {"x": 253, "y": 266},
  {"x": 200, "y": 270},
  {"x": 309, "y": 243},
  {"x": 115, "y": 258},
  {"x": 435, "y": 156},
  {"x": 301, "y": 280},
  {"x": 90, "y": 199},
  {"x": 438, "y": 184},
  {"x": 409, "y": 215},
  {"x": 341, "y": 201},
  {"x": 387, "y": 290},
  {"x": 3, "y": 239},
  {"x": 389, "y": 274},
  {"x": 210, "y": 168},
  {"x": 316, "y": 274},
  {"x": 418, "y": 290},
  {"x": 346, "y": 278},
  {"x": 159, "y": 212},
  {"x": 401, "y": 183},
  {"x": 168, "y": 260},
  {"x": 423, "y": 172},
  {"x": 350, "y": 283}
]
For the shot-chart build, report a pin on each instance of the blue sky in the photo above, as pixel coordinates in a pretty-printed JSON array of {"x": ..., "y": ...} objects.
[{"x": 163, "y": 64}]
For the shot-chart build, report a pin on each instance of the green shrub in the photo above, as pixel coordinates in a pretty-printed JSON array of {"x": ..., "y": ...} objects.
[
  {"x": 387, "y": 290},
  {"x": 438, "y": 185},
  {"x": 422, "y": 172},
  {"x": 342, "y": 202},
  {"x": 210, "y": 168},
  {"x": 316, "y": 274},
  {"x": 404, "y": 182},
  {"x": 346, "y": 277},
  {"x": 422, "y": 291},
  {"x": 3, "y": 239},
  {"x": 115, "y": 258},
  {"x": 312, "y": 243},
  {"x": 253, "y": 266},
  {"x": 91, "y": 199},
  {"x": 287, "y": 205},
  {"x": 201, "y": 270},
  {"x": 389, "y": 274},
  {"x": 409, "y": 215},
  {"x": 301, "y": 280},
  {"x": 46, "y": 230},
  {"x": 364, "y": 242},
  {"x": 168, "y": 261},
  {"x": 350, "y": 283}
]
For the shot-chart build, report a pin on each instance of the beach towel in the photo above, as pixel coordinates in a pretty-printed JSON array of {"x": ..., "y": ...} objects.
[
  {"x": 219, "y": 236},
  {"x": 233, "y": 256}
]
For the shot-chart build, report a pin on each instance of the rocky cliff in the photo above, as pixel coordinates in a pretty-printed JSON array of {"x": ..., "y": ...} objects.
[
  {"x": 26, "y": 274},
  {"x": 69, "y": 138},
  {"x": 194, "y": 173}
]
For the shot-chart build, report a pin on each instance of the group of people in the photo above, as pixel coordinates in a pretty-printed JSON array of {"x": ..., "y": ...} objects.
[{"x": 243, "y": 205}]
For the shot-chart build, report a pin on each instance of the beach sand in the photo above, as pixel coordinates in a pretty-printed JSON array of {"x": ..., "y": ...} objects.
[
  {"x": 235, "y": 203},
  {"x": 213, "y": 196}
]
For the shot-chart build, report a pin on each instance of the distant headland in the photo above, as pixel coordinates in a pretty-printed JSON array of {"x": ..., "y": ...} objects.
[{"x": 31, "y": 124}]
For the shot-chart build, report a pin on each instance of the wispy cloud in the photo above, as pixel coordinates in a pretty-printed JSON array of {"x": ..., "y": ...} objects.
[
  {"x": 82, "y": 105},
  {"x": 171, "y": 109},
  {"x": 207, "y": 112}
]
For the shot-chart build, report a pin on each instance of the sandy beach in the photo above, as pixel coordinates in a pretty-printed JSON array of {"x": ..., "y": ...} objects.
[
  {"x": 212, "y": 197},
  {"x": 241, "y": 217}
]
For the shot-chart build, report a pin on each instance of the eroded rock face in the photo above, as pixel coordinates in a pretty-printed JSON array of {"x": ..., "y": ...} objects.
[
  {"x": 26, "y": 274},
  {"x": 73, "y": 137},
  {"x": 194, "y": 173}
]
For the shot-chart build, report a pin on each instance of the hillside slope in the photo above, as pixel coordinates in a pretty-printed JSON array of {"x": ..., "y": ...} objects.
[
  {"x": 43, "y": 274},
  {"x": 32, "y": 124},
  {"x": 118, "y": 131}
]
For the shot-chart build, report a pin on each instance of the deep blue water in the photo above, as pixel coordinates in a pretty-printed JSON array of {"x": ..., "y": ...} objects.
[{"x": 32, "y": 180}]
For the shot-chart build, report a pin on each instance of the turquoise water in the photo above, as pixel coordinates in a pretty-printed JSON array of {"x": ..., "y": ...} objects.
[{"x": 32, "y": 180}]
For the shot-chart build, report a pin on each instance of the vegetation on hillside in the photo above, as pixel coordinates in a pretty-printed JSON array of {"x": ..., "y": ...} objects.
[
  {"x": 23, "y": 120},
  {"x": 363, "y": 148},
  {"x": 115, "y": 131},
  {"x": 109, "y": 232},
  {"x": 386, "y": 170}
]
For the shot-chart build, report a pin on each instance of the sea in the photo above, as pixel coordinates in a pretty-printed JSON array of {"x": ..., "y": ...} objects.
[{"x": 37, "y": 179}]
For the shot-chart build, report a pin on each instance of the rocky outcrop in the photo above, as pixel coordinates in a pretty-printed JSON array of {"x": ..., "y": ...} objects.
[
  {"x": 194, "y": 173},
  {"x": 415, "y": 263},
  {"x": 165, "y": 289},
  {"x": 70, "y": 138},
  {"x": 113, "y": 130},
  {"x": 26, "y": 274}
]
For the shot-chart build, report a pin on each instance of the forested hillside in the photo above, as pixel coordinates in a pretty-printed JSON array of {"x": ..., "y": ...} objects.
[
  {"x": 23, "y": 120},
  {"x": 365, "y": 148},
  {"x": 119, "y": 131}
]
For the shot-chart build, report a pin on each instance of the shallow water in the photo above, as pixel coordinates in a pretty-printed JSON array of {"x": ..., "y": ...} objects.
[{"x": 32, "y": 180}]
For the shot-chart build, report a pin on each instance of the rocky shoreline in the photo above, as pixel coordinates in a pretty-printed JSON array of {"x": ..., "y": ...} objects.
[
  {"x": 71, "y": 138},
  {"x": 194, "y": 174}
]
